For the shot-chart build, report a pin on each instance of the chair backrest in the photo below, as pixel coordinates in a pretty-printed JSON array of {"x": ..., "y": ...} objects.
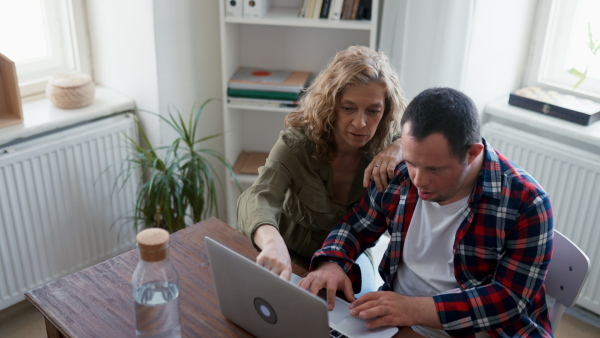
[{"x": 566, "y": 275}]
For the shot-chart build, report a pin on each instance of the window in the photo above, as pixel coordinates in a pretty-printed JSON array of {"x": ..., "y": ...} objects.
[
  {"x": 566, "y": 53},
  {"x": 43, "y": 38}
]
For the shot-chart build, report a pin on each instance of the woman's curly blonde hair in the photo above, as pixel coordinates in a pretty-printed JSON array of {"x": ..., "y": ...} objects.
[{"x": 316, "y": 114}]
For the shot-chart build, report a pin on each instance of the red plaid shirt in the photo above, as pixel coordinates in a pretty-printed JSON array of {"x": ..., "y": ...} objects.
[{"x": 501, "y": 250}]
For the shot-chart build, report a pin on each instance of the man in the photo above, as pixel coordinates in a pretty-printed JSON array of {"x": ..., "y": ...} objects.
[{"x": 471, "y": 234}]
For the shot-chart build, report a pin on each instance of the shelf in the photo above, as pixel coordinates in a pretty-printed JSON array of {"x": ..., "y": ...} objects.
[
  {"x": 280, "y": 16},
  {"x": 258, "y": 108},
  {"x": 40, "y": 116},
  {"x": 278, "y": 40}
]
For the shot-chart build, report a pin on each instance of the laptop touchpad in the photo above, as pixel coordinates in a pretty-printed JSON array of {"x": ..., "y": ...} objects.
[{"x": 340, "y": 312}]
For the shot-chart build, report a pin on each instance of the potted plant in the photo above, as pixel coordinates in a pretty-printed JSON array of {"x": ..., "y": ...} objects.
[{"x": 177, "y": 185}]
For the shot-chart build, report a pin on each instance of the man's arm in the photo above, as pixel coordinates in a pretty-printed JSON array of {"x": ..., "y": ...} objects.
[
  {"x": 516, "y": 283},
  {"x": 354, "y": 233},
  {"x": 519, "y": 276},
  {"x": 331, "y": 277},
  {"x": 382, "y": 308}
]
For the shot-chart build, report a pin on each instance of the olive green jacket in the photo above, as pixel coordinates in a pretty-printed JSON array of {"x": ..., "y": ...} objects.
[{"x": 294, "y": 193}]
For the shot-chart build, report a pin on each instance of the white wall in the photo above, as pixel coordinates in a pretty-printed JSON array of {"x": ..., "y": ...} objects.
[
  {"x": 427, "y": 41},
  {"x": 188, "y": 54},
  {"x": 166, "y": 53},
  {"x": 500, "y": 43},
  {"x": 476, "y": 46},
  {"x": 162, "y": 54},
  {"x": 124, "y": 53},
  {"x": 188, "y": 58}
]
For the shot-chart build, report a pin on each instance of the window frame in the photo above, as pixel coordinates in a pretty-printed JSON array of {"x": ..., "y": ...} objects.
[
  {"x": 67, "y": 36},
  {"x": 538, "y": 66}
]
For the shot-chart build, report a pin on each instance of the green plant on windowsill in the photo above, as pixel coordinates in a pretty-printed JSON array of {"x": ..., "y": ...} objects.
[
  {"x": 177, "y": 186},
  {"x": 594, "y": 47}
]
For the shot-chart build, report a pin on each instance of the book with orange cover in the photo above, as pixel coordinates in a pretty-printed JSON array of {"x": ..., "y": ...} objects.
[{"x": 269, "y": 80}]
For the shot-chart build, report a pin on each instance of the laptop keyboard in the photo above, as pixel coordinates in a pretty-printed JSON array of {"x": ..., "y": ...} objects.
[{"x": 336, "y": 334}]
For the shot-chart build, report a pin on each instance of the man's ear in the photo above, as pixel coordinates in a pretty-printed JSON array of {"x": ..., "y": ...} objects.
[{"x": 474, "y": 151}]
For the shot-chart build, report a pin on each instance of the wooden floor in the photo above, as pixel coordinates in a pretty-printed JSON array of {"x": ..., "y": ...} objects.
[{"x": 24, "y": 321}]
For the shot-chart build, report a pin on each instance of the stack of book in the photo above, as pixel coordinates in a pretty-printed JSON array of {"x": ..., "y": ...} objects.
[
  {"x": 267, "y": 87},
  {"x": 336, "y": 9}
]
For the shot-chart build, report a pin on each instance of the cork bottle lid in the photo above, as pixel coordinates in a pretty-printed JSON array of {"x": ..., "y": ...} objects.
[{"x": 152, "y": 244}]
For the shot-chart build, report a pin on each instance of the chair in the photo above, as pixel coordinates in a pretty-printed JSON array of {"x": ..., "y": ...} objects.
[{"x": 566, "y": 275}]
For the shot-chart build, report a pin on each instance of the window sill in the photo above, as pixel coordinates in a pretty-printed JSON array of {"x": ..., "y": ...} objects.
[
  {"x": 582, "y": 137},
  {"x": 40, "y": 116}
]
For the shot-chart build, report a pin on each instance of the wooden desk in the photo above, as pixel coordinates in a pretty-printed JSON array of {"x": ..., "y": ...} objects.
[{"x": 98, "y": 302}]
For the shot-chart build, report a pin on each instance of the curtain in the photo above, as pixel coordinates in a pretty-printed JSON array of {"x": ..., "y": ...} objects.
[{"x": 428, "y": 41}]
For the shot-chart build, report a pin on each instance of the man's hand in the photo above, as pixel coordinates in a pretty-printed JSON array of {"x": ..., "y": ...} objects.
[
  {"x": 331, "y": 277},
  {"x": 274, "y": 255},
  {"x": 387, "y": 308},
  {"x": 381, "y": 168}
]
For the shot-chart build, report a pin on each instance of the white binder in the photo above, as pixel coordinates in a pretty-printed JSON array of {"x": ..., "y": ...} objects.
[
  {"x": 234, "y": 8},
  {"x": 256, "y": 8},
  {"x": 335, "y": 11}
]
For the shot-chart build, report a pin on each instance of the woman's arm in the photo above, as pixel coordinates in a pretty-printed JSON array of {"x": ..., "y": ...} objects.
[
  {"x": 260, "y": 207},
  {"x": 274, "y": 255}
]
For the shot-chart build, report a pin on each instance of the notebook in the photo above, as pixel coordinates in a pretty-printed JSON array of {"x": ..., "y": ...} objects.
[{"x": 266, "y": 305}]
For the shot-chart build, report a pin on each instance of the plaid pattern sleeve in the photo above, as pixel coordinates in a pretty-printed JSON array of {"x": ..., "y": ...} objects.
[
  {"x": 501, "y": 251},
  {"x": 354, "y": 233},
  {"x": 515, "y": 216}
]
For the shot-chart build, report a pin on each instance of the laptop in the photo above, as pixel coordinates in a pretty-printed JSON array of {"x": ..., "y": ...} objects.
[{"x": 266, "y": 305}]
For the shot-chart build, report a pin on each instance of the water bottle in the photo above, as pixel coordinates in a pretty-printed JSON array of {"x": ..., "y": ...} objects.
[{"x": 155, "y": 286}]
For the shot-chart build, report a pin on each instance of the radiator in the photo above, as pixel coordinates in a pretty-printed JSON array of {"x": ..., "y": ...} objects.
[
  {"x": 58, "y": 211},
  {"x": 572, "y": 178}
]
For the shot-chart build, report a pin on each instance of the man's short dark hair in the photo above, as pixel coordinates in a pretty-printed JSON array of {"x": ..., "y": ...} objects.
[{"x": 446, "y": 111}]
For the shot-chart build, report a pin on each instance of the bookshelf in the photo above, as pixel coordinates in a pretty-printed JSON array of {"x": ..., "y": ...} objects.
[{"x": 278, "y": 40}]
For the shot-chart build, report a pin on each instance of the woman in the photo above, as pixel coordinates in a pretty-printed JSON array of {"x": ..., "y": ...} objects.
[{"x": 314, "y": 173}]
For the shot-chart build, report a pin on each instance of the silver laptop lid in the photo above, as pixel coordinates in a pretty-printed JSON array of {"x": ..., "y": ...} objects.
[{"x": 260, "y": 301}]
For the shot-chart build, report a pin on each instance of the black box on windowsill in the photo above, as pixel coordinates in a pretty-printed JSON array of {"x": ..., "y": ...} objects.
[{"x": 563, "y": 106}]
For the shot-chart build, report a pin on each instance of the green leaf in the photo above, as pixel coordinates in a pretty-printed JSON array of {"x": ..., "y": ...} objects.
[
  {"x": 576, "y": 72},
  {"x": 177, "y": 185},
  {"x": 592, "y": 44},
  {"x": 579, "y": 74}
]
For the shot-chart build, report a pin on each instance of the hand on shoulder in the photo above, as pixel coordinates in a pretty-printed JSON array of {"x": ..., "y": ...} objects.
[{"x": 382, "y": 167}]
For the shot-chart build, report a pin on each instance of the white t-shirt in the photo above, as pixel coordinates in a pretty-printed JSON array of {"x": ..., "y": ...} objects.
[{"x": 427, "y": 266}]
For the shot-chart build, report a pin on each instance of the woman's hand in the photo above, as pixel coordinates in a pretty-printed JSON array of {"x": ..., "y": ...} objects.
[
  {"x": 274, "y": 255},
  {"x": 381, "y": 168}
]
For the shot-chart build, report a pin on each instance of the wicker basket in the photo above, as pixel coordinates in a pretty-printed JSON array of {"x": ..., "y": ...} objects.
[{"x": 68, "y": 91}]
